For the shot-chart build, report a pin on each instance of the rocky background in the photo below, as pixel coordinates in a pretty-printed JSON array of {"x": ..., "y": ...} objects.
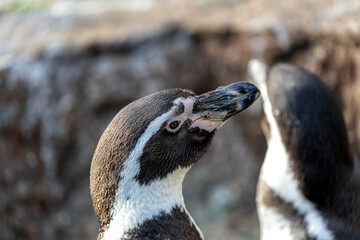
[{"x": 67, "y": 67}]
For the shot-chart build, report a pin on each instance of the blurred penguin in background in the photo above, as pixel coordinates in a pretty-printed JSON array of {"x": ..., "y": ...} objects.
[{"x": 308, "y": 187}]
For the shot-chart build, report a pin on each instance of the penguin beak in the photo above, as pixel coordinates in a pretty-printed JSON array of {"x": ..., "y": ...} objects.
[{"x": 213, "y": 108}]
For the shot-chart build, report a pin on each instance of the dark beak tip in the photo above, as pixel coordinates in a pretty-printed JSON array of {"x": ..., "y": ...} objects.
[
  {"x": 257, "y": 93},
  {"x": 251, "y": 97}
]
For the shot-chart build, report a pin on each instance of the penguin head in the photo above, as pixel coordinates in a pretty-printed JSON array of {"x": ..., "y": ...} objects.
[
  {"x": 154, "y": 136},
  {"x": 176, "y": 125},
  {"x": 305, "y": 109}
]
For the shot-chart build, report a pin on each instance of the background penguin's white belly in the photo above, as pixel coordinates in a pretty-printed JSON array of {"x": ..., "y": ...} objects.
[{"x": 273, "y": 224}]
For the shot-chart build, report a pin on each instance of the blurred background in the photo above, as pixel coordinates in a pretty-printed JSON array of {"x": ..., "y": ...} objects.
[{"x": 67, "y": 67}]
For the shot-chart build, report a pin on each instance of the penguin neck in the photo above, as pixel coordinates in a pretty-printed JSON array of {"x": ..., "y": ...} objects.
[
  {"x": 276, "y": 170},
  {"x": 157, "y": 194},
  {"x": 279, "y": 175},
  {"x": 134, "y": 204}
]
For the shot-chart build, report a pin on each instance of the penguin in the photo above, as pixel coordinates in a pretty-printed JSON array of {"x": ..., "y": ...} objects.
[
  {"x": 142, "y": 157},
  {"x": 307, "y": 188}
]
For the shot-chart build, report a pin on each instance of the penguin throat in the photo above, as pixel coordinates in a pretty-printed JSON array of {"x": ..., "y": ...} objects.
[{"x": 135, "y": 203}]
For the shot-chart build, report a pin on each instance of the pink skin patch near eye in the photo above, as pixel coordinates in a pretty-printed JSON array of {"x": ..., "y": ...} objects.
[{"x": 188, "y": 105}]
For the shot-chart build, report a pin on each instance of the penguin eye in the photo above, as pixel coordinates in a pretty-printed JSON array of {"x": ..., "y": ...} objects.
[{"x": 173, "y": 126}]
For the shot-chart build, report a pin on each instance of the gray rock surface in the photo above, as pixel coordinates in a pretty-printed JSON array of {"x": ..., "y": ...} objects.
[{"x": 67, "y": 67}]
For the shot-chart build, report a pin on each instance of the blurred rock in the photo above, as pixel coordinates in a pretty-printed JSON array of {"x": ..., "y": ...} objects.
[{"x": 67, "y": 67}]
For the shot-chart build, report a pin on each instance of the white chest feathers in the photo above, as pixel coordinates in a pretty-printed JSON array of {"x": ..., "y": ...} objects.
[
  {"x": 273, "y": 225},
  {"x": 144, "y": 202}
]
